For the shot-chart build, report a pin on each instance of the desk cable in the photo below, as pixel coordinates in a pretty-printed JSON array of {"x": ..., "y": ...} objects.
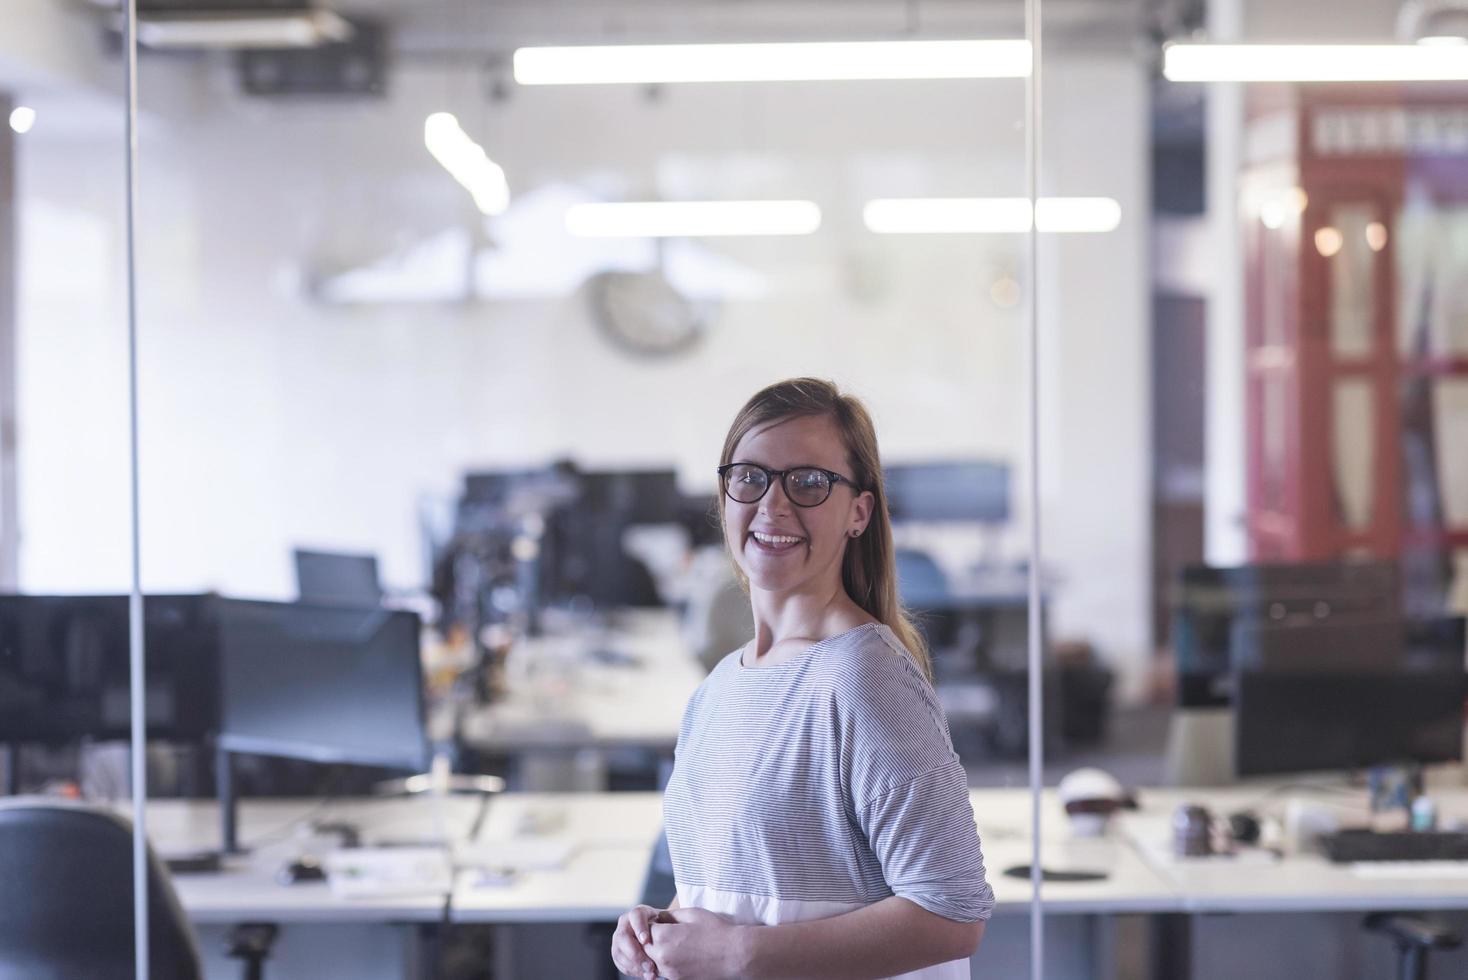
[{"x": 480, "y": 816}]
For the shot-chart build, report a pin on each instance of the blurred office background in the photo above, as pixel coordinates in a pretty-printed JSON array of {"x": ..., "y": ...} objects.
[{"x": 361, "y": 383}]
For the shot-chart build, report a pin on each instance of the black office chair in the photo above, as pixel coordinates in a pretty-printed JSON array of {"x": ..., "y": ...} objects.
[
  {"x": 66, "y": 901},
  {"x": 1415, "y": 936}
]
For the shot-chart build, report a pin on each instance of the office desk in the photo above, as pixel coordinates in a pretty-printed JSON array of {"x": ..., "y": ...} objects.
[
  {"x": 1296, "y": 883},
  {"x": 612, "y": 835},
  {"x": 615, "y": 833},
  {"x": 562, "y": 699},
  {"x": 246, "y": 890}
]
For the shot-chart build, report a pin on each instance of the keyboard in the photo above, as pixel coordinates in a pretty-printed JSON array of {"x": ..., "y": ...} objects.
[{"x": 1352, "y": 846}]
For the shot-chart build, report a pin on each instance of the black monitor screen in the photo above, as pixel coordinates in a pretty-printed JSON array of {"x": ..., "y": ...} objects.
[
  {"x": 325, "y": 683},
  {"x": 971, "y": 491},
  {"x": 1299, "y": 722},
  {"x": 64, "y": 668},
  {"x": 1219, "y": 613},
  {"x": 328, "y": 577},
  {"x": 632, "y": 496}
]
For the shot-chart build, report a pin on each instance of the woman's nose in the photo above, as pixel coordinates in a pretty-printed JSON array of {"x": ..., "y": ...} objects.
[{"x": 769, "y": 504}]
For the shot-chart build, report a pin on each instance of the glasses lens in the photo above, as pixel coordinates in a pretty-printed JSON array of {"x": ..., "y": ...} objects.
[
  {"x": 745, "y": 484},
  {"x": 807, "y": 487}
]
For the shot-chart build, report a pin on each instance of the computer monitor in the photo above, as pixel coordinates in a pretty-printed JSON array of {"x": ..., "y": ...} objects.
[
  {"x": 583, "y": 548},
  {"x": 319, "y": 682},
  {"x": 65, "y": 668},
  {"x": 632, "y": 496},
  {"x": 974, "y": 490},
  {"x": 509, "y": 492},
  {"x": 1287, "y": 722},
  {"x": 1437, "y": 642},
  {"x": 1218, "y": 611},
  {"x": 1337, "y": 644},
  {"x": 337, "y": 578}
]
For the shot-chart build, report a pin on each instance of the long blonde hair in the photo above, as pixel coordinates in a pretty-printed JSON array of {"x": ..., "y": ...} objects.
[{"x": 869, "y": 567}]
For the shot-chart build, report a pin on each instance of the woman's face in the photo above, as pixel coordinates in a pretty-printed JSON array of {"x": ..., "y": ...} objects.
[{"x": 782, "y": 547}]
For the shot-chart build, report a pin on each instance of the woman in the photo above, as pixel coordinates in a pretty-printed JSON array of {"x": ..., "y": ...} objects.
[{"x": 817, "y": 816}]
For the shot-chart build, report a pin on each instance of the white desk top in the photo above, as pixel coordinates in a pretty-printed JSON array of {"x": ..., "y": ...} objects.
[
  {"x": 1297, "y": 883},
  {"x": 610, "y": 837},
  {"x": 559, "y": 698},
  {"x": 1003, "y": 816},
  {"x": 247, "y": 889},
  {"x": 614, "y": 834},
  {"x": 604, "y": 878}
]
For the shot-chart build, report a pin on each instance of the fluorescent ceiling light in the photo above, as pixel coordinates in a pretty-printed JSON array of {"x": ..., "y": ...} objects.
[
  {"x": 1314, "y": 62},
  {"x": 692, "y": 219},
  {"x": 305, "y": 29},
  {"x": 467, "y": 162},
  {"x": 989, "y": 215},
  {"x": 22, "y": 118},
  {"x": 827, "y": 61}
]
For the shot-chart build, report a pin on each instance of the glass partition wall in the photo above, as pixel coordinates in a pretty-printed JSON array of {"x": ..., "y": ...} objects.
[
  {"x": 441, "y": 330},
  {"x": 1264, "y": 666},
  {"x": 65, "y": 529},
  {"x": 64, "y": 470},
  {"x": 442, "y": 326}
]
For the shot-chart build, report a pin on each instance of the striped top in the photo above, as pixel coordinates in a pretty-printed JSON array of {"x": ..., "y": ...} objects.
[{"x": 820, "y": 785}]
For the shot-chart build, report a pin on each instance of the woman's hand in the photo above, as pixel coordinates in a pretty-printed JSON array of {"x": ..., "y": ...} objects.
[
  {"x": 696, "y": 944},
  {"x": 634, "y": 931}
]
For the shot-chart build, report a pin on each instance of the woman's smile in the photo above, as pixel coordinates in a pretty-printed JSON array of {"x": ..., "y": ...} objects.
[{"x": 775, "y": 543}]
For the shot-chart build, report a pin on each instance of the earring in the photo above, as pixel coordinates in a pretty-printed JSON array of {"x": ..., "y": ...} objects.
[{"x": 856, "y": 532}]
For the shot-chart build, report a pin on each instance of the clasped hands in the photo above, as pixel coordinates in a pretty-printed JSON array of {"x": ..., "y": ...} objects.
[{"x": 677, "y": 944}]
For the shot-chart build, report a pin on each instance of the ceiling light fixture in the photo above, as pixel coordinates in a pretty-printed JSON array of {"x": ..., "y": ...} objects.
[
  {"x": 467, "y": 162},
  {"x": 305, "y": 29},
  {"x": 1314, "y": 62},
  {"x": 692, "y": 219},
  {"x": 650, "y": 64},
  {"x": 989, "y": 215}
]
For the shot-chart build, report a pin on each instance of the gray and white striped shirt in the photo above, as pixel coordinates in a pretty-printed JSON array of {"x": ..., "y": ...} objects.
[{"x": 820, "y": 785}]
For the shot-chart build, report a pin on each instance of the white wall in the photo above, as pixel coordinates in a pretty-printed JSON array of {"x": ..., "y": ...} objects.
[{"x": 270, "y": 421}]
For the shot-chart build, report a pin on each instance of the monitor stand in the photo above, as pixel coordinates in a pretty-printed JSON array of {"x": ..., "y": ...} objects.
[
  {"x": 228, "y": 803},
  {"x": 10, "y": 762}
]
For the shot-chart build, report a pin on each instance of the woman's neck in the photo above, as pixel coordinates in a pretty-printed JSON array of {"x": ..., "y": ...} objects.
[{"x": 801, "y": 618}]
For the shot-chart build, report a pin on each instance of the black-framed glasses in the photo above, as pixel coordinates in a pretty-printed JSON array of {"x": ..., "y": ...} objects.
[{"x": 805, "y": 486}]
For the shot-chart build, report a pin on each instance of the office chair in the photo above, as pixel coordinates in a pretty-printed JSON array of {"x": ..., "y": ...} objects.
[
  {"x": 66, "y": 901},
  {"x": 1416, "y": 936},
  {"x": 919, "y": 579}
]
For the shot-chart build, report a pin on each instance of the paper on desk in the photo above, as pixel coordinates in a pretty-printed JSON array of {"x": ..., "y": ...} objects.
[{"x": 519, "y": 853}]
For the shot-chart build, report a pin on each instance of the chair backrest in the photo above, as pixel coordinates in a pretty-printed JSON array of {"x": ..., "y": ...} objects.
[
  {"x": 919, "y": 579},
  {"x": 66, "y": 901}
]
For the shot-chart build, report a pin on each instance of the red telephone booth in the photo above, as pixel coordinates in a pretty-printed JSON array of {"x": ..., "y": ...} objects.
[{"x": 1354, "y": 204}]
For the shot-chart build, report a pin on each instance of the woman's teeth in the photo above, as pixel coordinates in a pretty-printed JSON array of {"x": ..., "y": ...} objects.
[{"x": 776, "y": 540}]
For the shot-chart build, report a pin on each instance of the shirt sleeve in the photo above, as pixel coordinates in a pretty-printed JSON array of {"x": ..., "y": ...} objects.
[{"x": 908, "y": 790}]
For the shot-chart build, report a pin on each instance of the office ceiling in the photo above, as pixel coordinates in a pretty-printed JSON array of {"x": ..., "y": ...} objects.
[
  {"x": 506, "y": 23},
  {"x": 488, "y": 26}
]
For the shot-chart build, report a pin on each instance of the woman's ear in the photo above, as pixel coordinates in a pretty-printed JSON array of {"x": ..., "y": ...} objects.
[{"x": 862, "y": 507}]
